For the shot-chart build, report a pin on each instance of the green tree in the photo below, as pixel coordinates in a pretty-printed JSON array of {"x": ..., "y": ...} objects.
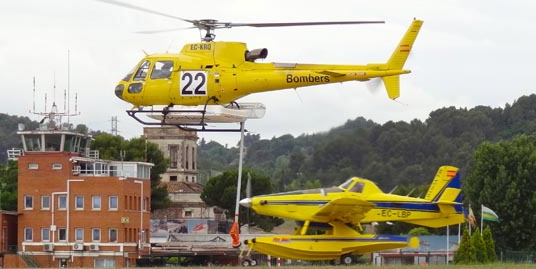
[
  {"x": 8, "y": 186},
  {"x": 480, "y": 248},
  {"x": 221, "y": 191},
  {"x": 466, "y": 252},
  {"x": 418, "y": 231},
  {"x": 490, "y": 244},
  {"x": 502, "y": 178},
  {"x": 113, "y": 147}
]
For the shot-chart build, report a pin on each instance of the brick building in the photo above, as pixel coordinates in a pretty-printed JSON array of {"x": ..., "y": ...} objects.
[
  {"x": 76, "y": 210},
  {"x": 8, "y": 233}
]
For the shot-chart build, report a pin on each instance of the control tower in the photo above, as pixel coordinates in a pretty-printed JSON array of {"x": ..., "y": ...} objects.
[{"x": 75, "y": 209}]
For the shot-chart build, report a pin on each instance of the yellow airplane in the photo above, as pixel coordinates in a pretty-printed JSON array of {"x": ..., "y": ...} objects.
[{"x": 341, "y": 209}]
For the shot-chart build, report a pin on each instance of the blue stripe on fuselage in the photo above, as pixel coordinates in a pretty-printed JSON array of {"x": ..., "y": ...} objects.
[{"x": 408, "y": 206}]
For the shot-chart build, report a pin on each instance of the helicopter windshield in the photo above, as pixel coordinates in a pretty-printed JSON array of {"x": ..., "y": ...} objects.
[
  {"x": 142, "y": 71},
  {"x": 162, "y": 69}
]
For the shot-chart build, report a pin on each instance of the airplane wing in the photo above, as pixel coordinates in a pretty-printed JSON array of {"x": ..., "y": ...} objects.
[{"x": 345, "y": 209}]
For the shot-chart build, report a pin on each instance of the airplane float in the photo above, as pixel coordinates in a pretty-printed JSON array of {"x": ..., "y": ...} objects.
[
  {"x": 341, "y": 211},
  {"x": 212, "y": 73}
]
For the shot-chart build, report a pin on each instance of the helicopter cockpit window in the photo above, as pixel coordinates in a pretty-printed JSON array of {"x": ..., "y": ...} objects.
[
  {"x": 142, "y": 71},
  {"x": 162, "y": 69}
]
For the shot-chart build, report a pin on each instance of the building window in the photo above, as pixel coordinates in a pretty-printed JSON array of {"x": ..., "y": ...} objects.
[
  {"x": 45, "y": 202},
  {"x": 79, "y": 234},
  {"x": 79, "y": 202},
  {"x": 173, "y": 178},
  {"x": 96, "y": 202},
  {"x": 104, "y": 263},
  {"x": 188, "y": 213},
  {"x": 173, "y": 156},
  {"x": 144, "y": 204},
  {"x": 45, "y": 234},
  {"x": 62, "y": 202},
  {"x": 112, "y": 233},
  {"x": 57, "y": 166},
  {"x": 95, "y": 235},
  {"x": 62, "y": 234},
  {"x": 186, "y": 179},
  {"x": 33, "y": 166},
  {"x": 187, "y": 159},
  {"x": 113, "y": 203},
  {"x": 193, "y": 158},
  {"x": 28, "y": 202},
  {"x": 28, "y": 234}
]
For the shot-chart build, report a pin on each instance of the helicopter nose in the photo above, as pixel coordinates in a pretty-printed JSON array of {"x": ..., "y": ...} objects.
[
  {"x": 246, "y": 202},
  {"x": 119, "y": 91}
]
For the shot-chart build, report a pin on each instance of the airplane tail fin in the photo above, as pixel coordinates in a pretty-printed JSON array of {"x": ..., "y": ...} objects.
[
  {"x": 446, "y": 187},
  {"x": 399, "y": 57},
  {"x": 445, "y": 193}
]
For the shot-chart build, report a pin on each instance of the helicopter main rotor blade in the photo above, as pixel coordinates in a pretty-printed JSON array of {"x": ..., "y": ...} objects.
[
  {"x": 285, "y": 24},
  {"x": 163, "y": 30},
  {"x": 118, "y": 3}
]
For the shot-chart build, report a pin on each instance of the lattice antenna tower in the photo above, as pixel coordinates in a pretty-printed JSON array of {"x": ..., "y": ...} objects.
[{"x": 114, "y": 125}]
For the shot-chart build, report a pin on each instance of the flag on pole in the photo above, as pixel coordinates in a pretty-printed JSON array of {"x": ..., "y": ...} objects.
[
  {"x": 235, "y": 235},
  {"x": 471, "y": 217},
  {"x": 488, "y": 214}
]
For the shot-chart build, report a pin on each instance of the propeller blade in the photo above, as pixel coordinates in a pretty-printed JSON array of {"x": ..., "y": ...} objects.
[
  {"x": 121, "y": 4},
  {"x": 286, "y": 24}
]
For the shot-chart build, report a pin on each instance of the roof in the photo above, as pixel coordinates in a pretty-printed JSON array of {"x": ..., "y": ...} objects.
[{"x": 184, "y": 187}]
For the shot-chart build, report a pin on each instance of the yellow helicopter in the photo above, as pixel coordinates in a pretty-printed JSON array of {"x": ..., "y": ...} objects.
[{"x": 219, "y": 73}]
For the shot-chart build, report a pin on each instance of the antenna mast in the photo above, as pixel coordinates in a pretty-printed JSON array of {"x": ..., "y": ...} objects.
[
  {"x": 68, "y": 86},
  {"x": 54, "y": 116}
]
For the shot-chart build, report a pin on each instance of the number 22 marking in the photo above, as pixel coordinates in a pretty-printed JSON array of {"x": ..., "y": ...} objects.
[{"x": 193, "y": 83}]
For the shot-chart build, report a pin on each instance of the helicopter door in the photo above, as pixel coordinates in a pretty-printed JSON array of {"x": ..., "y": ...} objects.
[{"x": 160, "y": 78}]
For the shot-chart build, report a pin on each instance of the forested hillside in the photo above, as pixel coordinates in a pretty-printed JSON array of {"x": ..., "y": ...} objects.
[
  {"x": 8, "y": 133},
  {"x": 394, "y": 153}
]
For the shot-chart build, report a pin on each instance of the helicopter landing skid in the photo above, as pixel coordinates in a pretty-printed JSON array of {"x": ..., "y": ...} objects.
[{"x": 197, "y": 118}]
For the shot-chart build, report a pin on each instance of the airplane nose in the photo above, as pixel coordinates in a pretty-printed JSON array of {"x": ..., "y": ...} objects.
[
  {"x": 246, "y": 202},
  {"x": 119, "y": 91}
]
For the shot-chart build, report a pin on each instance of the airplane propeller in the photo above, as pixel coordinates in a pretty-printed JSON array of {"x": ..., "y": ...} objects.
[{"x": 209, "y": 25}]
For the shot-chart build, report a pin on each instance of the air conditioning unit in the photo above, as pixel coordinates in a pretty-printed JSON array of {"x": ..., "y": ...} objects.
[
  {"x": 78, "y": 246},
  {"x": 93, "y": 247},
  {"x": 48, "y": 247}
]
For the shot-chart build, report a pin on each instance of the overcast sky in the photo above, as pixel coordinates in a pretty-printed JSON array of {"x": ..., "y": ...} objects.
[{"x": 468, "y": 53}]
